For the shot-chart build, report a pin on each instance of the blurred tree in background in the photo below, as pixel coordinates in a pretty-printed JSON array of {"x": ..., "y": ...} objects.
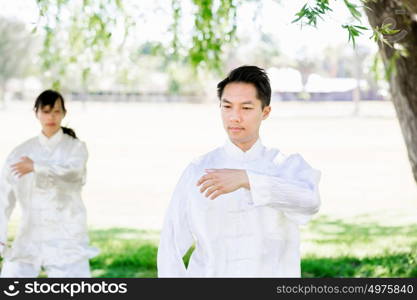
[
  {"x": 16, "y": 52},
  {"x": 93, "y": 43}
]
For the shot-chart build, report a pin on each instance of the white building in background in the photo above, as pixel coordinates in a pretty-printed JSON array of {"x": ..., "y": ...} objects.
[
  {"x": 285, "y": 80},
  {"x": 319, "y": 84},
  {"x": 286, "y": 84},
  {"x": 289, "y": 80}
]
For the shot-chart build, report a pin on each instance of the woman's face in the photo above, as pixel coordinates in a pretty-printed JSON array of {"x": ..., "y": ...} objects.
[{"x": 51, "y": 118}]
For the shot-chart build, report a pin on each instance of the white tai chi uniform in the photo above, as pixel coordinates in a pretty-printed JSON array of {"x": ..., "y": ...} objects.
[
  {"x": 246, "y": 233},
  {"x": 53, "y": 228}
]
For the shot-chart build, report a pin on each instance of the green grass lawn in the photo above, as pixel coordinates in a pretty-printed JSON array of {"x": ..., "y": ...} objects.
[
  {"x": 359, "y": 247},
  {"x": 124, "y": 252},
  {"x": 356, "y": 247},
  {"x": 362, "y": 247}
]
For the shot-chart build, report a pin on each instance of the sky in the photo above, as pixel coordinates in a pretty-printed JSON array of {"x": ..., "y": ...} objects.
[
  {"x": 277, "y": 21},
  {"x": 274, "y": 18}
]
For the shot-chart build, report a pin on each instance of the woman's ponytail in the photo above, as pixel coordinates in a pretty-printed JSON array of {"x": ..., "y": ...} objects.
[{"x": 69, "y": 131}]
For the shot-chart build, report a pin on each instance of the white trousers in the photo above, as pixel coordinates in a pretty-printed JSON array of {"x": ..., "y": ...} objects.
[{"x": 19, "y": 269}]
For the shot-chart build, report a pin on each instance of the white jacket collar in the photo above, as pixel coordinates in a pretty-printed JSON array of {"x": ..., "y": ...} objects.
[
  {"x": 51, "y": 142},
  {"x": 255, "y": 152}
]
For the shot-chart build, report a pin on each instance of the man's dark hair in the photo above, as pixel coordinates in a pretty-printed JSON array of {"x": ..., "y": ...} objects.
[{"x": 249, "y": 74}]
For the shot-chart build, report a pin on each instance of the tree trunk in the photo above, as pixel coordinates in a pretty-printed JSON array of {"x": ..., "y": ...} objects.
[{"x": 403, "y": 81}]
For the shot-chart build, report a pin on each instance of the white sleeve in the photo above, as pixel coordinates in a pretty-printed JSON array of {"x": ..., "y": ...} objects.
[
  {"x": 7, "y": 201},
  {"x": 294, "y": 191},
  {"x": 51, "y": 173},
  {"x": 176, "y": 237}
]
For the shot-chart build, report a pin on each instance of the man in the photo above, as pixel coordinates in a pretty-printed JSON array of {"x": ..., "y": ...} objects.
[{"x": 240, "y": 204}]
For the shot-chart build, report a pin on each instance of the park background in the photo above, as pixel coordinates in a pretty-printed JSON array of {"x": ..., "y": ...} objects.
[{"x": 146, "y": 107}]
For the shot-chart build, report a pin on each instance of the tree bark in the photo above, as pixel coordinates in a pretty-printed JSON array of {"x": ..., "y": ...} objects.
[{"x": 403, "y": 82}]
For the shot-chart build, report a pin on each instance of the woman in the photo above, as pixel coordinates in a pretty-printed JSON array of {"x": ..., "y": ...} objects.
[{"x": 45, "y": 175}]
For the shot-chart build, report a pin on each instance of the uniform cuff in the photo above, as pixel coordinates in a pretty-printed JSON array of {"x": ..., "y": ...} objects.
[
  {"x": 40, "y": 168},
  {"x": 260, "y": 189}
]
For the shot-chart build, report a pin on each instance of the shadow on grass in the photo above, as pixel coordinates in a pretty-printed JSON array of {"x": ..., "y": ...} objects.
[
  {"x": 329, "y": 230},
  {"x": 359, "y": 248}
]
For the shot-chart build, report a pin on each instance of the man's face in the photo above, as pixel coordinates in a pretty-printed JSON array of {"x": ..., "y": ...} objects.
[
  {"x": 51, "y": 118},
  {"x": 242, "y": 113}
]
